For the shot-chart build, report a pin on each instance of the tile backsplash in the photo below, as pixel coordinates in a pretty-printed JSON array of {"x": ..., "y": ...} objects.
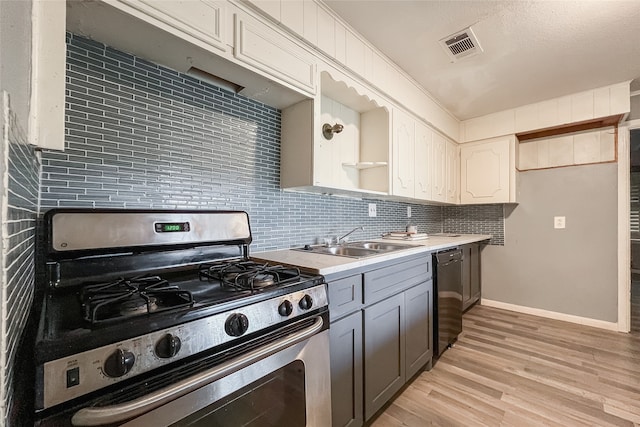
[
  {"x": 19, "y": 170},
  {"x": 139, "y": 135},
  {"x": 476, "y": 219}
]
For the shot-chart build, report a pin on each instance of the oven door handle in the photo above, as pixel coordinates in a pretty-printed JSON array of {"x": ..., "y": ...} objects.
[{"x": 97, "y": 416}]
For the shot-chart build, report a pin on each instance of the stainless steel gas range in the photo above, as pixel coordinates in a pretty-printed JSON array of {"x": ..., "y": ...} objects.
[{"x": 154, "y": 317}]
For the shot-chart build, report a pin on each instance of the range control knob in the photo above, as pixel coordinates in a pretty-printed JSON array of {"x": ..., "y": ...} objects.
[
  {"x": 119, "y": 363},
  {"x": 236, "y": 324},
  {"x": 285, "y": 308},
  {"x": 168, "y": 346},
  {"x": 306, "y": 302}
]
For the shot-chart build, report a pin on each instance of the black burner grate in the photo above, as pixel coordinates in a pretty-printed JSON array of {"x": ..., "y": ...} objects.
[
  {"x": 124, "y": 298},
  {"x": 248, "y": 275}
]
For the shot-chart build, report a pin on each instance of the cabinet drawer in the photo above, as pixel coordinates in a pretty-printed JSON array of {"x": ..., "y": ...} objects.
[
  {"x": 345, "y": 296},
  {"x": 384, "y": 282}
]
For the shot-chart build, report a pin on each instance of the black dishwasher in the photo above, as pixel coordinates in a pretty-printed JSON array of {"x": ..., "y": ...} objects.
[{"x": 448, "y": 290}]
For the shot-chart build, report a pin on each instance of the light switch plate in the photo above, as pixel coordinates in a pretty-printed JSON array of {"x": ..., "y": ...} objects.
[
  {"x": 558, "y": 222},
  {"x": 372, "y": 209},
  {"x": 408, "y": 211}
]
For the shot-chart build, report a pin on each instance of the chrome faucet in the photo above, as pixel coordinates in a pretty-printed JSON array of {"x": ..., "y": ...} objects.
[{"x": 352, "y": 231}]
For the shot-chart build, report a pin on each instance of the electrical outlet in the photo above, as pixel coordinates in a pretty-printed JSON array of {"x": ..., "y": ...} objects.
[
  {"x": 408, "y": 211},
  {"x": 372, "y": 209},
  {"x": 558, "y": 222}
]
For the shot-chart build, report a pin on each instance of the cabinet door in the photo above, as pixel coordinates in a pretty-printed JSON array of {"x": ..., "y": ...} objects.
[
  {"x": 403, "y": 154},
  {"x": 383, "y": 352},
  {"x": 476, "y": 273},
  {"x": 452, "y": 172},
  {"x": 346, "y": 371},
  {"x": 418, "y": 302},
  {"x": 204, "y": 20},
  {"x": 486, "y": 172},
  {"x": 273, "y": 54},
  {"x": 470, "y": 275},
  {"x": 46, "y": 110},
  {"x": 423, "y": 162},
  {"x": 439, "y": 168},
  {"x": 466, "y": 276}
]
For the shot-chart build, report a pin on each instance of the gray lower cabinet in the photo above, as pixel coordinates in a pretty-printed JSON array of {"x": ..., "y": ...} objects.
[
  {"x": 384, "y": 343},
  {"x": 397, "y": 343},
  {"x": 418, "y": 327},
  {"x": 380, "y": 335},
  {"x": 471, "y": 274},
  {"x": 346, "y": 370}
]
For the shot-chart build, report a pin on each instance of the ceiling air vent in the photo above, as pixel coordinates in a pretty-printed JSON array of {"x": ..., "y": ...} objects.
[{"x": 461, "y": 45}]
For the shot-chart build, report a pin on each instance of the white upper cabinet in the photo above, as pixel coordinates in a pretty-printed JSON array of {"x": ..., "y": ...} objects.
[
  {"x": 412, "y": 171},
  {"x": 423, "y": 162},
  {"x": 403, "y": 169},
  {"x": 355, "y": 51},
  {"x": 292, "y": 16},
  {"x": 352, "y": 159},
  {"x": 488, "y": 171},
  {"x": 321, "y": 27},
  {"x": 204, "y": 20},
  {"x": 46, "y": 115},
  {"x": 439, "y": 175},
  {"x": 452, "y": 170},
  {"x": 581, "y": 107},
  {"x": 343, "y": 148},
  {"x": 260, "y": 46},
  {"x": 270, "y": 7}
]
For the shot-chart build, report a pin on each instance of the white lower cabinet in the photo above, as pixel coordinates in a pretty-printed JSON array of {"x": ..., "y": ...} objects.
[{"x": 488, "y": 171}]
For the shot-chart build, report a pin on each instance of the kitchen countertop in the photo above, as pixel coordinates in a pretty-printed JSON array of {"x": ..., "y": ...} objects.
[{"x": 329, "y": 264}]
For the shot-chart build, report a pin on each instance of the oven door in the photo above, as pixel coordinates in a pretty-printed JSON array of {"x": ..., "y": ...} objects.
[{"x": 284, "y": 383}]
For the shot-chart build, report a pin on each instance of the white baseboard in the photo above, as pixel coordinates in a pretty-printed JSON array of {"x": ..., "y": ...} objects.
[{"x": 611, "y": 326}]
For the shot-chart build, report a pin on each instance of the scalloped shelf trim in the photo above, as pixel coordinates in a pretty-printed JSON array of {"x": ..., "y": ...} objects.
[{"x": 346, "y": 94}]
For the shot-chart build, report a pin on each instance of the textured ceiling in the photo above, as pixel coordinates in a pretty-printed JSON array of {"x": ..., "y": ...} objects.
[{"x": 533, "y": 50}]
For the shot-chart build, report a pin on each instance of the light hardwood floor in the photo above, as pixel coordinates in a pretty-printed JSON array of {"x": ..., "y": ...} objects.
[{"x": 511, "y": 369}]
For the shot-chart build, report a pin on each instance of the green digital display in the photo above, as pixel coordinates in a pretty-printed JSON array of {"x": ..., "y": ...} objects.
[{"x": 171, "y": 227}]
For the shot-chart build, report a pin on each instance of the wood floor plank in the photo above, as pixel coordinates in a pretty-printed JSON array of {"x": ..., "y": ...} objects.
[{"x": 514, "y": 369}]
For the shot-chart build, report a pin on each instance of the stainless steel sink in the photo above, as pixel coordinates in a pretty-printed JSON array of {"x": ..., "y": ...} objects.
[
  {"x": 348, "y": 251},
  {"x": 356, "y": 249},
  {"x": 377, "y": 246}
]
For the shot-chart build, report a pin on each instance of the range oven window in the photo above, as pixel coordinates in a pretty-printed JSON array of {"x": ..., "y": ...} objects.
[{"x": 277, "y": 399}]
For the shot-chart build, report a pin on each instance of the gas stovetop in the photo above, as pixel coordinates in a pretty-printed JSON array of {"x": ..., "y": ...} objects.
[{"x": 101, "y": 313}]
